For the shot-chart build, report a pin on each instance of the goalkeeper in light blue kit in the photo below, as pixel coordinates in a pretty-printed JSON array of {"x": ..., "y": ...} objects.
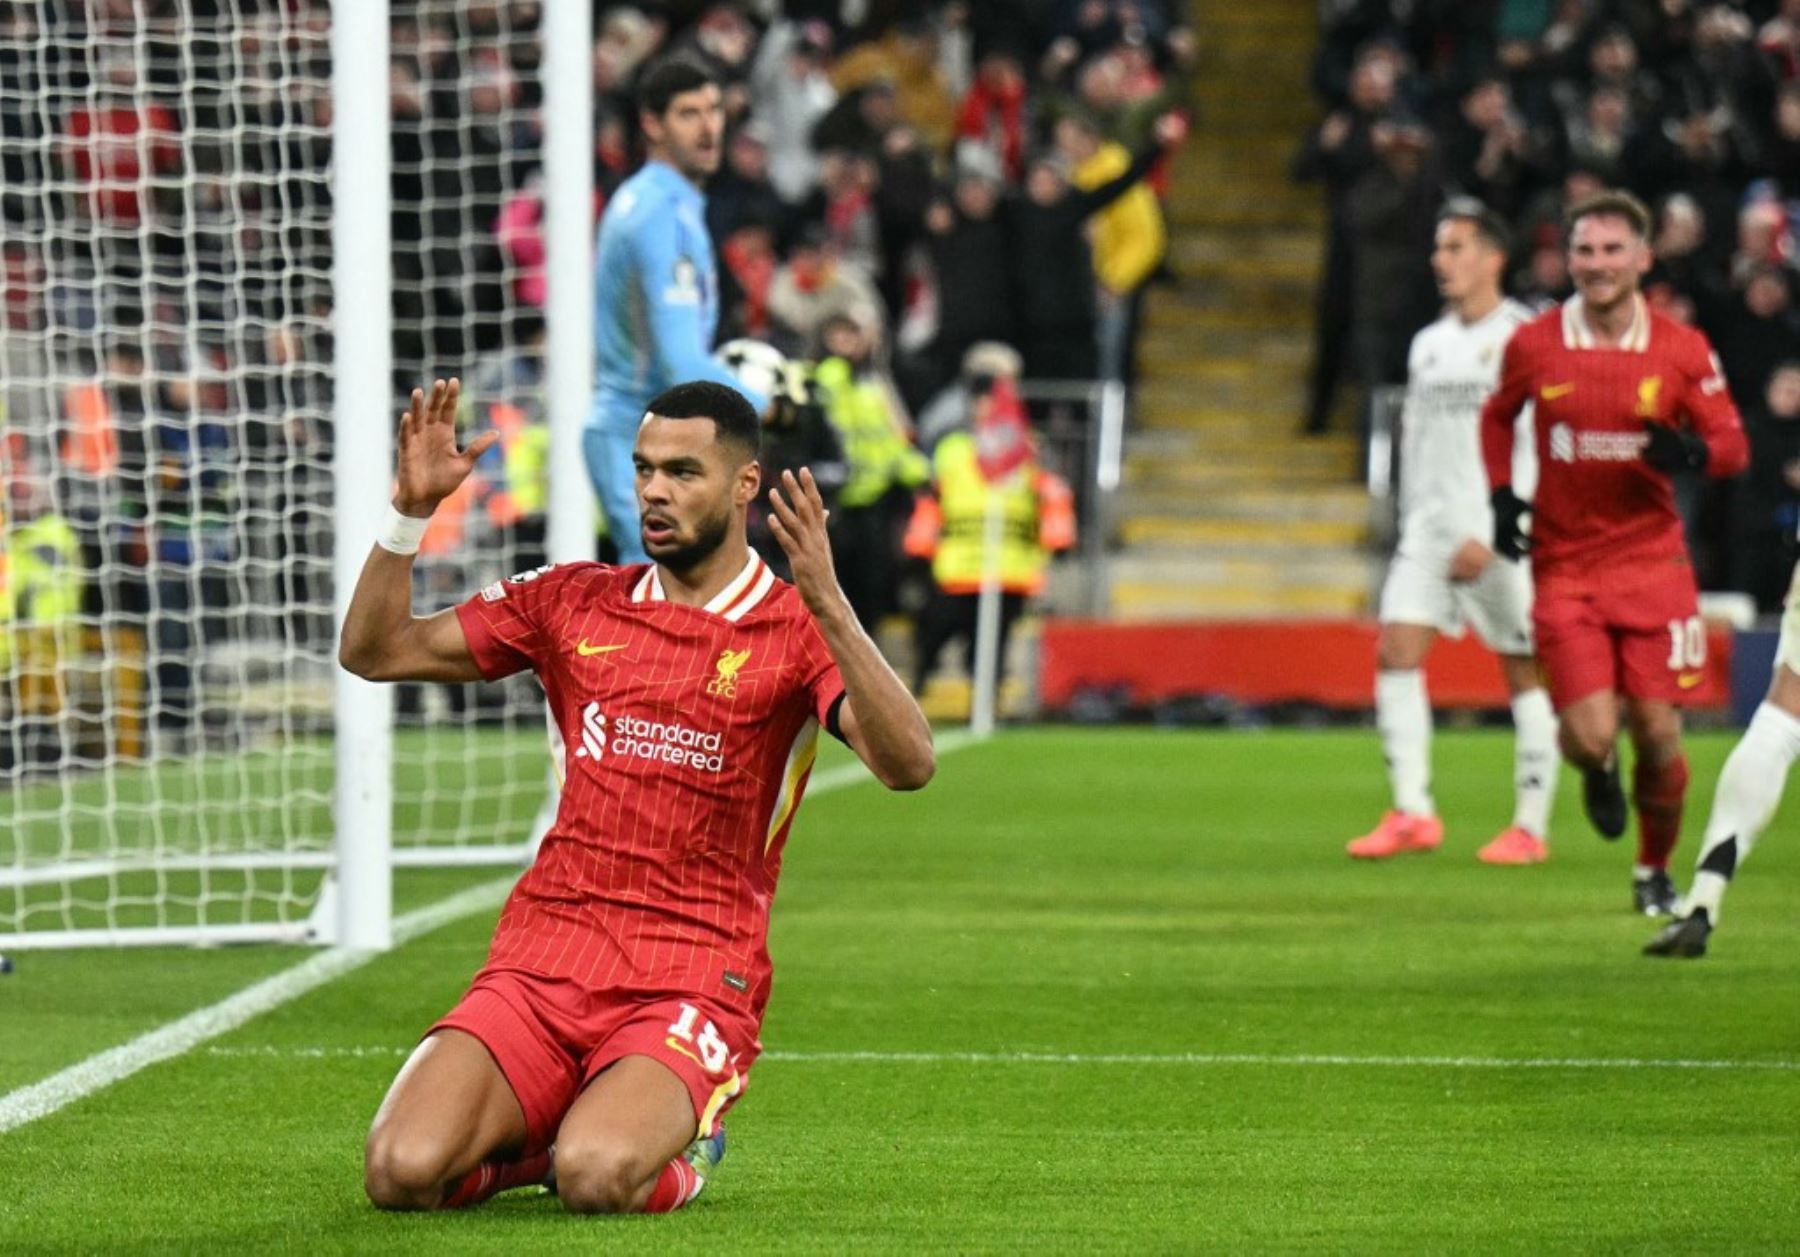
[{"x": 656, "y": 290}]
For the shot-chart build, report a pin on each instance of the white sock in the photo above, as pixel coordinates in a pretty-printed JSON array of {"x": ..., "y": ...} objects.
[
  {"x": 1749, "y": 791},
  {"x": 1403, "y": 714},
  {"x": 1535, "y": 761}
]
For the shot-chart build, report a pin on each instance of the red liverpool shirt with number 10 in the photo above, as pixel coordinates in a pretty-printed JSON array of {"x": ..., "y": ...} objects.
[
  {"x": 684, "y": 737},
  {"x": 1600, "y": 508}
]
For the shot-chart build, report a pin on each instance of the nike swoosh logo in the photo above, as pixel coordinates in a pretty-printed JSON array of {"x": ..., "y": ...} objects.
[
  {"x": 1689, "y": 681},
  {"x": 584, "y": 650},
  {"x": 1553, "y": 391}
]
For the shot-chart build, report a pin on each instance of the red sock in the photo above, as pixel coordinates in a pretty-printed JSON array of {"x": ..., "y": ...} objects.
[
  {"x": 1659, "y": 790},
  {"x": 675, "y": 1186},
  {"x": 490, "y": 1178}
]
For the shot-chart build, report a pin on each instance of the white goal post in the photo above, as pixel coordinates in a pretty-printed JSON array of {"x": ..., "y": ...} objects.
[
  {"x": 233, "y": 232},
  {"x": 358, "y": 891}
]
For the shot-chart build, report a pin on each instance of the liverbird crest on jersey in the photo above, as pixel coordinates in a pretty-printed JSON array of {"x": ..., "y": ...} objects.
[{"x": 730, "y": 663}]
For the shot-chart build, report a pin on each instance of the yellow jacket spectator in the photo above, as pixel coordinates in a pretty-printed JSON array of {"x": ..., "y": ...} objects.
[
  {"x": 1038, "y": 514},
  {"x": 1128, "y": 240},
  {"x": 522, "y": 488},
  {"x": 1128, "y": 236},
  {"x": 877, "y": 448},
  {"x": 882, "y": 466},
  {"x": 507, "y": 396},
  {"x": 41, "y": 583},
  {"x": 1037, "y": 507}
]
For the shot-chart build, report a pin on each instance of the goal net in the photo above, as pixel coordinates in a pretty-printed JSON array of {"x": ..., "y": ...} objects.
[
  {"x": 167, "y": 652},
  {"x": 469, "y": 289}
]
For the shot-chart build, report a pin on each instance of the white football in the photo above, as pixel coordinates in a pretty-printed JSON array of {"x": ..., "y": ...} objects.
[{"x": 756, "y": 364}]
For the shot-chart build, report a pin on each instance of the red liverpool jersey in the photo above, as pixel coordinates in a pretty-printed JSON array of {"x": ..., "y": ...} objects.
[
  {"x": 1598, "y": 503},
  {"x": 684, "y": 737}
]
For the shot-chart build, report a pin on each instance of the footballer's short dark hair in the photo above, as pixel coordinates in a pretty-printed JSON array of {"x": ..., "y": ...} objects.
[
  {"x": 669, "y": 78},
  {"x": 1611, "y": 204},
  {"x": 1487, "y": 224},
  {"x": 731, "y": 412}
]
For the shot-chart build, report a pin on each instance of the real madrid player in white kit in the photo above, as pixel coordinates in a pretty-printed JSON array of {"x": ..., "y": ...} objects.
[
  {"x": 1748, "y": 794},
  {"x": 1444, "y": 576}
]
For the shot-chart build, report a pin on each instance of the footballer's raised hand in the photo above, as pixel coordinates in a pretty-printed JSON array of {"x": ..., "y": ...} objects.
[
  {"x": 430, "y": 466},
  {"x": 797, "y": 517}
]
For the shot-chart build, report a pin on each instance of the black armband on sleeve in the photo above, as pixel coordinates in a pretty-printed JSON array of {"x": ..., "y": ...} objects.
[{"x": 833, "y": 726}]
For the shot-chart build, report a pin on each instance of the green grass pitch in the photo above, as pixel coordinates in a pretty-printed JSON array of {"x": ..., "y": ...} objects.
[{"x": 1093, "y": 991}]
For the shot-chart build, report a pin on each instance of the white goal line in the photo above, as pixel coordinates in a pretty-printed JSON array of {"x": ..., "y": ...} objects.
[{"x": 1305, "y": 1060}]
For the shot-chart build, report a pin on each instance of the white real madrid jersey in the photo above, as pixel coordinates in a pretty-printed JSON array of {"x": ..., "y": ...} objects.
[{"x": 1452, "y": 368}]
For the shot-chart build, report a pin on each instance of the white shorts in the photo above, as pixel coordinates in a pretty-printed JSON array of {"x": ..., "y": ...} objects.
[
  {"x": 1497, "y": 605},
  {"x": 1787, "y": 650}
]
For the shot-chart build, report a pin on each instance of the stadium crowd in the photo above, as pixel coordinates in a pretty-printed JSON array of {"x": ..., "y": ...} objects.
[
  {"x": 1531, "y": 105},
  {"x": 906, "y": 189}
]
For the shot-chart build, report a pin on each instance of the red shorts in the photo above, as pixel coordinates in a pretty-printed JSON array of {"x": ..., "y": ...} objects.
[
  {"x": 551, "y": 1038},
  {"x": 1640, "y": 636}
]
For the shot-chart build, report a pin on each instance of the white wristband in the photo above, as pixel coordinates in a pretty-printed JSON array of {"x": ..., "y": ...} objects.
[{"x": 401, "y": 534}]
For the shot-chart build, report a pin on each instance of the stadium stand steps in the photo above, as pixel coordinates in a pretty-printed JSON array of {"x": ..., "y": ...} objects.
[{"x": 1224, "y": 510}]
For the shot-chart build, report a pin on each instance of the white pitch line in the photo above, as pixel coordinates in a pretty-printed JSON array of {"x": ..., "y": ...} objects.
[
  {"x": 1122, "y": 1058},
  {"x": 63, "y": 1088},
  {"x": 1265, "y": 1058}
]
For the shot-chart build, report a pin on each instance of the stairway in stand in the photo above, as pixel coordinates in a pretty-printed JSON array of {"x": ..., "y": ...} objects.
[{"x": 1224, "y": 511}]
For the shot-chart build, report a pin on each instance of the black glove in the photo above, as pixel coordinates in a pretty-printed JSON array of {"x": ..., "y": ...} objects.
[
  {"x": 1510, "y": 541},
  {"x": 1671, "y": 449}
]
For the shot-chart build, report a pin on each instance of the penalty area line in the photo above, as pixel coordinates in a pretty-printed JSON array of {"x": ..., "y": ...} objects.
[
  {"x": 1304, "y": 1060},
  {"x": 176, "y": 1038}
]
